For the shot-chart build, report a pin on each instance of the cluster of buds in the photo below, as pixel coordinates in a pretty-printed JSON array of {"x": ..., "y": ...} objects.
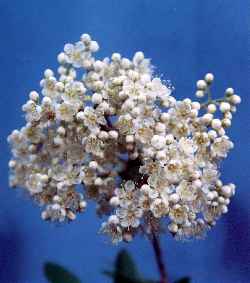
[{"x": 111, "y": 131}]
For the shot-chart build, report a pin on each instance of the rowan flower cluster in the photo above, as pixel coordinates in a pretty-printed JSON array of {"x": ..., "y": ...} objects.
[{"x": 111, "y": 131}]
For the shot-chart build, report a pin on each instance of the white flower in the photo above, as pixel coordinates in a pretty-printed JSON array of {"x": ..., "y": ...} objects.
[
  {"x": 159, "y": 208},
  {"x": 221, "y": 146},
  {"x": 65, "y": 111},
  {"x": 49, "y": 87},
  {"x": 132, "y": 89},
  {"x": 187, "y": 146},
  {"x": 180, "y": 129},
  {"x": 74, "y": 93},
  {"x": 33, "y": 111},
  {"x": 210, "y": 175},
  {"x": 144, "y": 132},
  {"x": 93, "y": 119},
  {"x": 67, "y": 174},
  {"x": 147, "y": 190},
  {"x": 75, "y": 53},
  {"x": 159, "y": 88},
  {"x": 35, "y": 184},
  {"x": 127, "y": 194},
  {"x": 129, "y": 216},
  {"x": 158, "y": 141},
  {"x": 54, "y": 212},
  {"x": 93, "y": 145},
  {"x": 173, "y": 170},
  {"x": 201, "y": 139},
  {"x": 186, "y": 192},
  {"x": 183, "y": 109},
  {"x": 112, "y": 229},
  {"x": 144, "y": 202},
  {"x": 178, "y": 214},
  {"x": 125, "y": 125}
]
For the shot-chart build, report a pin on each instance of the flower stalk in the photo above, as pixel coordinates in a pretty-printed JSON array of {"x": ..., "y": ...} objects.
[{"x": 155, "y": 240}]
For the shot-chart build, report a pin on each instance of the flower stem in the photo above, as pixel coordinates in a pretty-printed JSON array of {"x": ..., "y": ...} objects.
[{"x": 159, "y": 259}]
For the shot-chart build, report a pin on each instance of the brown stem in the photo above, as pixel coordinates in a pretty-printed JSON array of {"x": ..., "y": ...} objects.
[
  {"x": 131, "y": 172},
  {"x": 158, "y": 256}
]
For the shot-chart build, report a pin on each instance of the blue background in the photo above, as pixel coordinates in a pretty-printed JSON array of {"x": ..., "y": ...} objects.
[{"x": 185, "y": 39}]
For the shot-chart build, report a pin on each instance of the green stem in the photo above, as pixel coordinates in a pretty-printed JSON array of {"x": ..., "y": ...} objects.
[
  {"x": 212, "y": 101},
  {"x": 209, "y": 94}
]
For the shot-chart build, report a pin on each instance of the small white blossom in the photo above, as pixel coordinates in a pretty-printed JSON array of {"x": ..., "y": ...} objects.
[
  {"x": 186, "y": 192},
  {"x": 65, "y": 112},
  {"x": 159, "y": 208},
  {"x": 74, "y": 93},
  {"x": 93, "y": 119},
  {"x": 221, "y": 147},
  {"x": 129, "y": 216}
]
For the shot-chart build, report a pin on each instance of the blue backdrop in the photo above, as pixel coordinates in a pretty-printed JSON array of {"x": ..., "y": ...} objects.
[{"x": 185, "y": 39}]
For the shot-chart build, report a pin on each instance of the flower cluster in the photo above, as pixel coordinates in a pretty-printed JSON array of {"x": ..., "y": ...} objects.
[{"x": 114, "y": 133}]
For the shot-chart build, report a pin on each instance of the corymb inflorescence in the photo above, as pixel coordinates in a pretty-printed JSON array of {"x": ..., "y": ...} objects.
[{"x": 110, "y": 131}]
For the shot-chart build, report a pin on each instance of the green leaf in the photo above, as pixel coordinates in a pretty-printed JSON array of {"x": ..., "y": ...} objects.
[
  {"x": 125, "y": 279},
  {"x": 183, "y": 280},
  {"x": 125, "y": 266},
  {"x": 58, "y": 274},
  {"x": 126, "y": 270}
]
